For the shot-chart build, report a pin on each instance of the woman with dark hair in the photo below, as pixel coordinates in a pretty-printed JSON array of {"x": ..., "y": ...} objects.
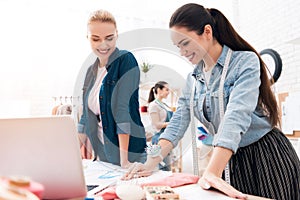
[
  {"x": 160, "y": 114},
  {"x": 231, "y": 96}
]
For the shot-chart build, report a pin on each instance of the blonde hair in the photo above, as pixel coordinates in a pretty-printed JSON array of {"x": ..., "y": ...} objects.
[{"x": 102, "y": 16}]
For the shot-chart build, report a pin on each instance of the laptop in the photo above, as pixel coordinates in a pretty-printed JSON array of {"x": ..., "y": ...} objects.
[{"x": 46, "y": 149}]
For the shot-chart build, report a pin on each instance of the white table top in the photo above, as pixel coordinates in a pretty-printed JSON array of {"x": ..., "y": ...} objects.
[
  {"x": 99, "y": 173},
  {"x": 107, "y": 174},
  {"x": 195, "y": 192}
]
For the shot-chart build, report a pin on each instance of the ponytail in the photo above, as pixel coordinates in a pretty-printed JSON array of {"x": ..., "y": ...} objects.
[
  {"x": 151, "y": 95},
  {"x": 224, "y": 32},
  {"x": 232, "y": 39}
]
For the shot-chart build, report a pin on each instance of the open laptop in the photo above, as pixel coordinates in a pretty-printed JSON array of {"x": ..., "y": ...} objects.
[{"x": 46, "y": 149}]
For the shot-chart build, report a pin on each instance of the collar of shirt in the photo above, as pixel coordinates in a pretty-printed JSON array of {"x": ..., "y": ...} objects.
[{"x": 197, "y": 73}]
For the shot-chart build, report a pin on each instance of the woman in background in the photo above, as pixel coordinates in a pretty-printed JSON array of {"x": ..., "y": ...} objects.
[
  {"x": 111, "y": 117},
  {"x": 160, "y": 114}
]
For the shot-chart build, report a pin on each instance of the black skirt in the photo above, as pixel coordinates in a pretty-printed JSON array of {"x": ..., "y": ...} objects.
[{"x": 268, "y": 168}]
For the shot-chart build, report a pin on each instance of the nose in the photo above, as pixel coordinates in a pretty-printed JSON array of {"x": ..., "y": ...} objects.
[
  {"x": 102, "y": 44},
  {"x": 183, "y": 52}
]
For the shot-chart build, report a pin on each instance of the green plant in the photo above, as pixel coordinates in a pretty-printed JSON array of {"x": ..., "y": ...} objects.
[{"x": 145, "y": 67}]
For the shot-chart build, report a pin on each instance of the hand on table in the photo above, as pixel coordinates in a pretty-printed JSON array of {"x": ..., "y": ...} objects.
[
  {"x": 126, "y": 165},
  {"x": 137, "y": 170},
  {"x": 209, "y": 180}
]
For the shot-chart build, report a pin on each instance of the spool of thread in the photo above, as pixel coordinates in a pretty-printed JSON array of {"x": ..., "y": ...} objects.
[
  {"x": 27, "y": 184},
  {"x": 144, "y": 108},
  {"x": 136, "y": 192}
]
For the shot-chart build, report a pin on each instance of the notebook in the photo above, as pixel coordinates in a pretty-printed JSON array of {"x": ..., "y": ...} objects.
[{"x": 46, "y": 149}]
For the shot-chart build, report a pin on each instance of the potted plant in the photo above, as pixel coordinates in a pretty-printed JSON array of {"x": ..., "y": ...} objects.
[{"x": 145, "y": 67}]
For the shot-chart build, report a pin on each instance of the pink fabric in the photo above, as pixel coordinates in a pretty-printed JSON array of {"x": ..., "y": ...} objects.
[
  {"x": 175, "y": 180},
  {"x": 109, "y": 193}
]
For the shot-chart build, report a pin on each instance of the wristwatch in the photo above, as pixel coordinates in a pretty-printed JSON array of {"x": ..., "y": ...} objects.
[{"x": 154, "y": 151}]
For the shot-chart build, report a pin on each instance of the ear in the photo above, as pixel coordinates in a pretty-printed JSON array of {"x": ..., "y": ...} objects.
[
  {"x": 208, "y": 31},
  {"x": 117, "y": 34}
]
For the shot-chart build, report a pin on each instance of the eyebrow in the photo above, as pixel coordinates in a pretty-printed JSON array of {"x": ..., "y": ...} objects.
[
  {"x": 109, "y": 35},
  {"x": 181, "y": 41},
  {"x": 105, "y": 36}
]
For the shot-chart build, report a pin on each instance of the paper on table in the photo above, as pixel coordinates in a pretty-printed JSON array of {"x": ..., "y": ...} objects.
[
  {"x": 97, "y": 172},
  {"x": 105, "y": 175}
]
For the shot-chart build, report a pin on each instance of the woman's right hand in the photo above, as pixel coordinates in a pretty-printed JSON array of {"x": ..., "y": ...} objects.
[
  {"x": 137, "y": 170},
  {"x": 209, "y": 180},
  {"x": 82, "y": 137}
]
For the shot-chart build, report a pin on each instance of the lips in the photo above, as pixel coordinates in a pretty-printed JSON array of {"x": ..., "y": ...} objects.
[
  {"x": 190, "y": 57},
  {"x": 103, "y": 51}
]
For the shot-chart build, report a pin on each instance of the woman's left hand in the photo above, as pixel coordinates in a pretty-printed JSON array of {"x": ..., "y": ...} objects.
[
  {"x": 137, "y": 170},
  {"x": 209, "y": 180}
]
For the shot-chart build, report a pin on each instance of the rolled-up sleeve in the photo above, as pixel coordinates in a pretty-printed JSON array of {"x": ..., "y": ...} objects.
[
  {"x": 80, "y": 128},
  {"x": 123, "y": 128}
]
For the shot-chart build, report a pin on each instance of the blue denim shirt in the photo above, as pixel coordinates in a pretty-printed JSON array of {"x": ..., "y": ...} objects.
[
  {"x": 119, "y": 107},
  {"x": 243, "y": 123}
]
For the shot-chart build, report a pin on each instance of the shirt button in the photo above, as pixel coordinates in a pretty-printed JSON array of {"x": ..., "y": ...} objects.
[
  {"x": 100, "y": 97},
  {"x": 102, "y": 113}
]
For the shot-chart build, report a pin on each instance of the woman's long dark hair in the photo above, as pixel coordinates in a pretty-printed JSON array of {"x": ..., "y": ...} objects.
[
  {"x": 160, "y": 85},
  {"x": 194, "y": 17}
]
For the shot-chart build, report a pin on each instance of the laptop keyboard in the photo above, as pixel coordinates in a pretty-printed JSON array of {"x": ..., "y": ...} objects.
[{"x": 90, "y": 187}]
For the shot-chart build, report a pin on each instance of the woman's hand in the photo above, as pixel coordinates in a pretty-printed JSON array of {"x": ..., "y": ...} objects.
[
  {"x": 209, "y": 180},
  {"x": 137, "y": 170},
  {"x": 126, "y": 164},
  {"x": 213, "y": 172},
  {"x": 82, "y": 139}
]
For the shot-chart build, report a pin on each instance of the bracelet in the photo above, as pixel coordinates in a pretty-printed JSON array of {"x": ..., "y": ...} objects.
[{"x": 155, "y": 151}]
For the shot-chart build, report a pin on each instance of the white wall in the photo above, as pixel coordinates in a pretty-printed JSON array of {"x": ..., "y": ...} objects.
[
  {"x": 43, "y": 44},
  {"x": 274, "y": 24}
]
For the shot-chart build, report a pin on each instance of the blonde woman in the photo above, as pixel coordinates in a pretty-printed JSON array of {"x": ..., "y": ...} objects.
[{"x": 111, "y": 118}]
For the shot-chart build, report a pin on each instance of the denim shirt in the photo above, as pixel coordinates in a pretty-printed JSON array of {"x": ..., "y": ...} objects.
[
  {"x": 119, "y": 108},
  {"x": 244, "y": 122}
]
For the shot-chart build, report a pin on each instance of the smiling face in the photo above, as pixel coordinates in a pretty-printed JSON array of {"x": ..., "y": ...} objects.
[
  {"x": 193, "y": 46},
  {"x": 102, "y": 37}
]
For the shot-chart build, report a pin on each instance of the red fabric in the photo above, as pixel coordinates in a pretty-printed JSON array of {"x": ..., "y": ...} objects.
[{"x": 175, "y": 180}]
